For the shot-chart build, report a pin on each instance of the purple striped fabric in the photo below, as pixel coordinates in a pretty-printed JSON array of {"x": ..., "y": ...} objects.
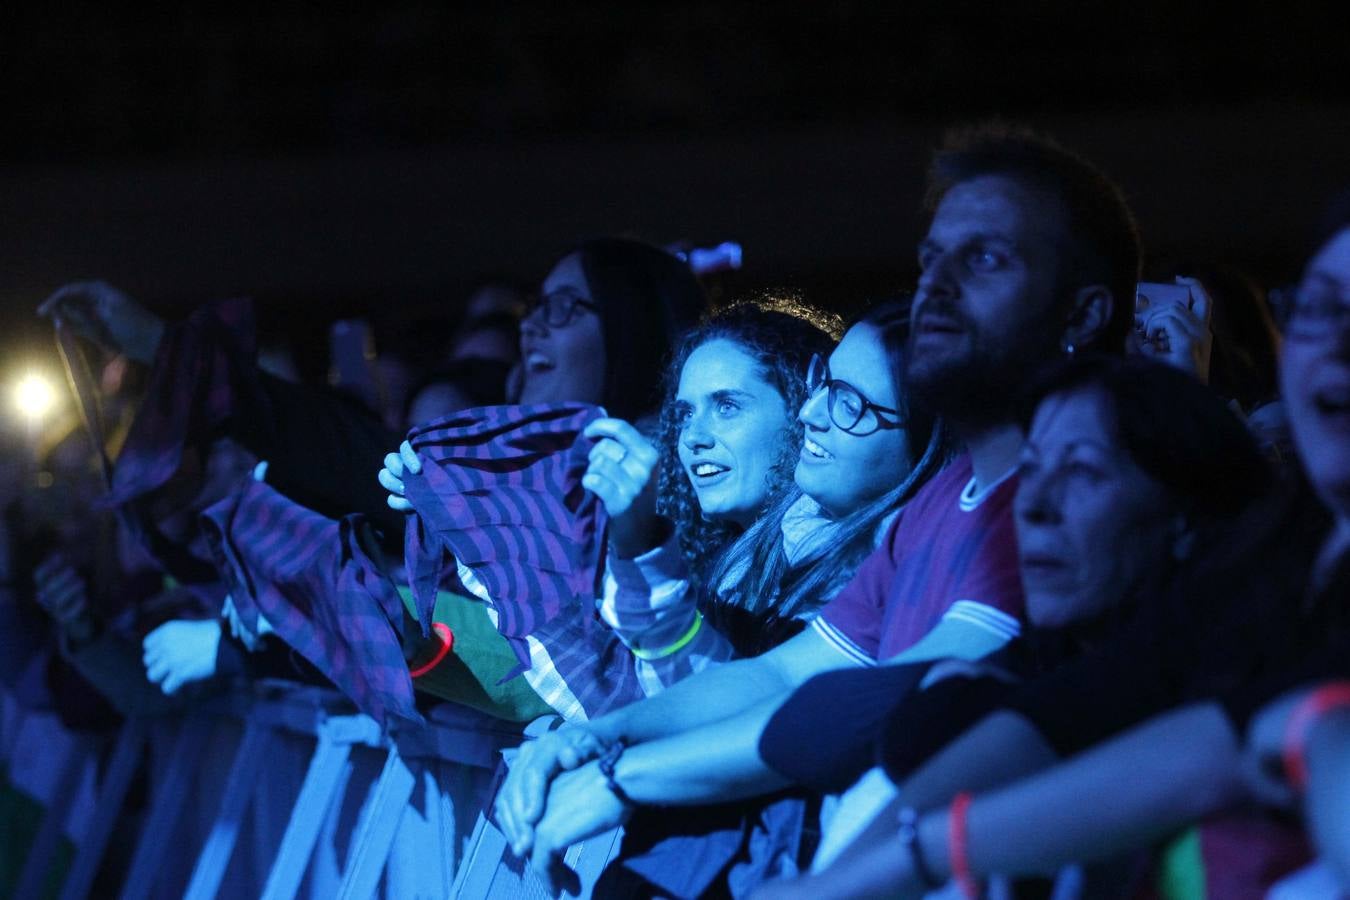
[
  {"x": 193, "y": 386},
  {"x": 500, "y": 491},
  {"x": 310, "y": 578}
]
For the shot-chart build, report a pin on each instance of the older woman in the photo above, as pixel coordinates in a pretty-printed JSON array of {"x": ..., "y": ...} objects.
[
  {"x": 1108, "y": 463},
  {"x": 1247, "y": 621}
]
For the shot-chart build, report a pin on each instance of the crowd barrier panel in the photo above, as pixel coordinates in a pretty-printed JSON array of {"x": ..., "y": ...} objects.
[{"x": 455, "y": 761}]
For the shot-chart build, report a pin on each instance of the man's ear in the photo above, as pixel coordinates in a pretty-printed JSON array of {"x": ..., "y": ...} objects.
[{"x": 1089, "y": 316}]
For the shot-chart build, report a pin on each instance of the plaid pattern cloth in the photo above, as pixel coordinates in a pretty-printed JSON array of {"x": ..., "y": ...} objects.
[
  {"x": 309, "y": 577},
  {"x": 649, "y": 606},
  {"x": 500, "y": 499},
  {"x": 583, "y": 669},
  {"x": 200, "y": 369}
]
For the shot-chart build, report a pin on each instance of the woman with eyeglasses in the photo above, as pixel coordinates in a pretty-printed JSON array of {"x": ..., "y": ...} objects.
[
  {"x": 864, "y": 452},
  {"x": 761, "y": 522},
  {"x": 607, "y": 317}
]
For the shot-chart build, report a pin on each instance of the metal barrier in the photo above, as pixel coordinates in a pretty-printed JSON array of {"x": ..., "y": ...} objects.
[{"x": 456, "y": 739}]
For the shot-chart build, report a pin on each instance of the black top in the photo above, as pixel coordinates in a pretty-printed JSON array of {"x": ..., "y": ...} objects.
[
  {"x": 1330, "y": 662},
  {"x": 839, "y": 724},
  {"x": 323, "y": 451},
  {"x": 824, "y": 734},
  {"x": 1240, "y": 616}
]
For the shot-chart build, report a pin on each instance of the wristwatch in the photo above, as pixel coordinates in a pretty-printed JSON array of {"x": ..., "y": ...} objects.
[{"x": 909, "y": 839}]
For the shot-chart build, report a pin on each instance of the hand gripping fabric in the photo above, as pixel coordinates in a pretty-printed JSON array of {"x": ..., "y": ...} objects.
[
  {"x": 500, "y": 492},
  {"x": 309, "y": 576}
]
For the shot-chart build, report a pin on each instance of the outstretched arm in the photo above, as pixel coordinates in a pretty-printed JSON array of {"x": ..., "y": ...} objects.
[
  {"x": 713, "y": 695},
  {"x": 1142, "y": 785}
]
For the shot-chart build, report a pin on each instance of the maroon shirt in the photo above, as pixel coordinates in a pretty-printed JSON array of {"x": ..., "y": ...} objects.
[{"x": 951, "y": 554}]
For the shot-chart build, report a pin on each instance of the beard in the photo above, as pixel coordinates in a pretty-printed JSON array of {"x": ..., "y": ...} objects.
[{"x": 974, "y": 381}]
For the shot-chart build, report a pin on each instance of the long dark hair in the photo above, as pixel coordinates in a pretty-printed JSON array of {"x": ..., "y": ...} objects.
[
  {"x": 781, "y": 335},
  {"x": 647, "y": 299},
  {"x": 770, "y": 585}
]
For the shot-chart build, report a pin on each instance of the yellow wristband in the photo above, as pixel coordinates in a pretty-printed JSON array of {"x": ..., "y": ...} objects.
[{"x": 675, "y": 647}]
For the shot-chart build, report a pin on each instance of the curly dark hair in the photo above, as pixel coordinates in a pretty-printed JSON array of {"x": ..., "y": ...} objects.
[
  {"x": 781, "y": 334},
  {"x": 766, "y": 591}
]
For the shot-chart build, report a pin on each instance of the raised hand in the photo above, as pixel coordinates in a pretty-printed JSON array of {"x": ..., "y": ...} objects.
[
  {"x": 391, "y": 476},
  {"x": 179, "y": 652},
  {"x": 1179, "y": 335},
  {"x": 103, "y": 314},
  {"x": 622, "y": 473},
  {"x": 60, "y": 590}
]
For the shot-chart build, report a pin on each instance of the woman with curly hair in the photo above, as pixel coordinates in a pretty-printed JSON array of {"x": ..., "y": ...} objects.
[
  {"x": 678, "y": 489},
  {"x": 764, "y": 517}
]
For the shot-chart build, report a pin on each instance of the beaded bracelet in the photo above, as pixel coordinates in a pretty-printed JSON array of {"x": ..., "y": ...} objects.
[{"x": 1317, "y": 704}]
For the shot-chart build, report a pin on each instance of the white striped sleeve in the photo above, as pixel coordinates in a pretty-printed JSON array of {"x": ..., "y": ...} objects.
[
  {"x": 984, "y": 616},
  {"x": 840, "y": 641}
]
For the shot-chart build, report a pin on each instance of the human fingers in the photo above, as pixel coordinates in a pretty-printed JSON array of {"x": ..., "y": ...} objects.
[
  {"x": 1178, "y": 322},
  {"x": 67, "y": 605},
  {"x": 174, "y": 680},
  {"x": 156, "y": 670},
  {"x": 558, "y": 877},
  {"x": 59, "y": 590},
  {"x": 159, "y": 638},
  {"x": 603, "y": 488},
  {"x": 1202, "y": 304},
  {"x": 615, "y": 471},
  {"x": 607, "y": 448},
  {"x": 393, "y": 464},
  {"x": 636, "y": 447},
  {"x": 391, "y": 482},
  {"x": 410, "y": 458},
  {"x": 616, "y": 430}
]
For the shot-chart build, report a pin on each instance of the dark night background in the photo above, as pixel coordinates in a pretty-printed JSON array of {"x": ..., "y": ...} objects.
[{"x": 330, "y": 159}]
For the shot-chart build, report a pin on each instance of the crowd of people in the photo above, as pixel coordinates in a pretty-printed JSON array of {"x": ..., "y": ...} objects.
[{"x": 1028, "y": 581}]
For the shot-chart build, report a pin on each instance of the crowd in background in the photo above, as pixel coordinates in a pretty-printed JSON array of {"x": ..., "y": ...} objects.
[{"x": 1030, "y": 578}]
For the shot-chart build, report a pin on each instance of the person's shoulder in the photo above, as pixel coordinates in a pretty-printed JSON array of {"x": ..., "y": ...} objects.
[{"x": 944, "y": 490}]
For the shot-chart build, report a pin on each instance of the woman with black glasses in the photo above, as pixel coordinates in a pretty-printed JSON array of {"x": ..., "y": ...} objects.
[{"x": 864, "y": 453}]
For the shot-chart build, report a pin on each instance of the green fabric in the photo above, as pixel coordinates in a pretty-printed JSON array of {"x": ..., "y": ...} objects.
[
  {"x": 20, "y": 818},
  {"x": 472, "y": 674},
  {"x": 1181, "y": 868}
]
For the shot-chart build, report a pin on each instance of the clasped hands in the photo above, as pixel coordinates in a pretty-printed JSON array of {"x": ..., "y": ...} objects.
[{"x": 554, "y": 796}]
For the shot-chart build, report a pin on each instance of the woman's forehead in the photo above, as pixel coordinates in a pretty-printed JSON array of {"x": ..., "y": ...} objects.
[
  {"x": 861, "y": 360},
  {"x": 1066, "y": 417},
  {"x": 719, "y": 365},
  {"x": 568, "y": 274}
]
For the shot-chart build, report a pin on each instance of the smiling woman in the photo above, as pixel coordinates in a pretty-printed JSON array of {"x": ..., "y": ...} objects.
[{"x": 604, "y": 324}]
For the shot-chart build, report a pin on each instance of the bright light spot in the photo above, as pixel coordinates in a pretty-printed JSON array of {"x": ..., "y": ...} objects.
[{"x": 34, "y": 396}]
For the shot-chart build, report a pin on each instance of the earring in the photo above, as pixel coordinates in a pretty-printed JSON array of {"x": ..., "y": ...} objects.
[{"x": 1068, "y": 348}]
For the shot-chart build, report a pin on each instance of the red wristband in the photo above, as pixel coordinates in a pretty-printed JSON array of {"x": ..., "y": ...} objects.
[
  {"x": 958, "y": 846},
  {"x": 447, "y": 641},
  {"x": 1335, "y": 695}
]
